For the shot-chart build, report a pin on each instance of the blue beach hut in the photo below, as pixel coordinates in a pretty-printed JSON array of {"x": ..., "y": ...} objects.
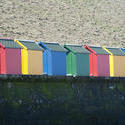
[
  {"x": 123, "y": 49},
  {"x": 54, "y": 59}
]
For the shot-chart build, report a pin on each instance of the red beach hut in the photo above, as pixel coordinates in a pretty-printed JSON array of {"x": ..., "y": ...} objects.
[
  {"x": 99, "y": 61},
  {"x": 10, "y": 57}
]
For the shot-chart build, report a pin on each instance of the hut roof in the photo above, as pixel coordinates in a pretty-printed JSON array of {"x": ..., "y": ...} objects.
[
  {"x": 9, "y": 43},
  {"x": 54, "y": 47},
  {"x": 116, "y": 51},
  {"x": 99, "y": 50},
  {"x": 76, "y": 48},
  {"x": 30, "y": 45}
]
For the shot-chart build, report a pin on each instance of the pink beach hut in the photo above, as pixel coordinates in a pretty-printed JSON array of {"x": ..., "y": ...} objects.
[{"x": 10, "y": 57}]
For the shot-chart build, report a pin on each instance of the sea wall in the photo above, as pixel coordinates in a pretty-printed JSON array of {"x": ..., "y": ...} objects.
[{"x": 62, "y": 102}]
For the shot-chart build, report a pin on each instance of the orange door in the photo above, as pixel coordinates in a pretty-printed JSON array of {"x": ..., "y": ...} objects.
[{"x": 35, "y": 63}]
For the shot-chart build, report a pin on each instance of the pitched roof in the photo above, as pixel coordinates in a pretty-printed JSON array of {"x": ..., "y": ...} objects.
[
  {"x": 9, "y": 43},
  {"x": 55, "y": 47},
  {"x": 99, "y": 50},
  {"x": 123, "y": 49},
  {"x": 30, "y": 45},
  {"x": 116, "y": 51},
  {"x": 76, "y": 48}
]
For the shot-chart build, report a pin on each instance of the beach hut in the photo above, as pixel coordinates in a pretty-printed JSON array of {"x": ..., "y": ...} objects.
[
  {"x": 77, "y": 60},
  {"x": 54, "y": 59},
  {"x": 10, "y": 57},
  {"x": 123, "y": 49},
  {"x": 31, "y": 57},
  {"x": 99, "y": 61},
  {"x": 117, "y": 62}
]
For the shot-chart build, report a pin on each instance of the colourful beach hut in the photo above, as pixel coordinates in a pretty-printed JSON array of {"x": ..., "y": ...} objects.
[
  {"x": 54, "y": 59},
  {"x": 10, "y": 57},
  {"x": 117, "y": 62},
  {"x": 77, "y": 60},
  {"x": 31, "y": 57},
  {"x": 123, "y": 49},
  {"x": 99, "y": 61}
]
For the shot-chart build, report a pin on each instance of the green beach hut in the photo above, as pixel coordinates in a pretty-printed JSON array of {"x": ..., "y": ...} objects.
[{"x": 77, "y": 60}]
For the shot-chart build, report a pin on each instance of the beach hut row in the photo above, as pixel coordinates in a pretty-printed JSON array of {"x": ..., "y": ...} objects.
[{"x": 36, "y": 58}]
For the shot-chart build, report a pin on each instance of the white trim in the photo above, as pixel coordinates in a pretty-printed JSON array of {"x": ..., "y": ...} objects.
[{"x": 25, "y": 40}]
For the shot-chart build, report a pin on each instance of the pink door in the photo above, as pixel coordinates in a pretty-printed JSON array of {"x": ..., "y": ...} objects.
[
  {"x": 103, "y": 65},
  {"x": 13, "y": 61}
]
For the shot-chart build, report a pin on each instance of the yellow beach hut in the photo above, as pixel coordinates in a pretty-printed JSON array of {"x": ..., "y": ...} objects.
[
  {"x": 31, "y": 57},
  {"x": 117, "y": 62}
]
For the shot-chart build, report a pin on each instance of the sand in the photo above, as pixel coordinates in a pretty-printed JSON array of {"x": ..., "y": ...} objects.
[{"x": 92, "y": 22}]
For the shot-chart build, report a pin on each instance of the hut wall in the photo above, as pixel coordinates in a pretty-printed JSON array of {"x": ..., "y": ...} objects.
[
  {"x": 2, "y": 61},
  {"x": 35, "y": 63},
  {"x": 111, "y": 60},
  {"x": 69, "y": 63},
  {"x": 49, "y": 61},
  {"x": 13, "y": 61},
  {"x": 93, "y": 65},
  {"x": 24, "y": 61},
  {"x": 0, "y": 58},
  {"x": 45, "y": 62},
  {"x": 74, "y": 64}
]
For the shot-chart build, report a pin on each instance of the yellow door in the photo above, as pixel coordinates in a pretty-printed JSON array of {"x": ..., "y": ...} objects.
[
  {"x": 119, "y": 68},
  {"x": 35, "y": 63}
]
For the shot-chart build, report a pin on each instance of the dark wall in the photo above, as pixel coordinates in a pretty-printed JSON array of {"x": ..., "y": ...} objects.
[{"x": 62, "y": 103}]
